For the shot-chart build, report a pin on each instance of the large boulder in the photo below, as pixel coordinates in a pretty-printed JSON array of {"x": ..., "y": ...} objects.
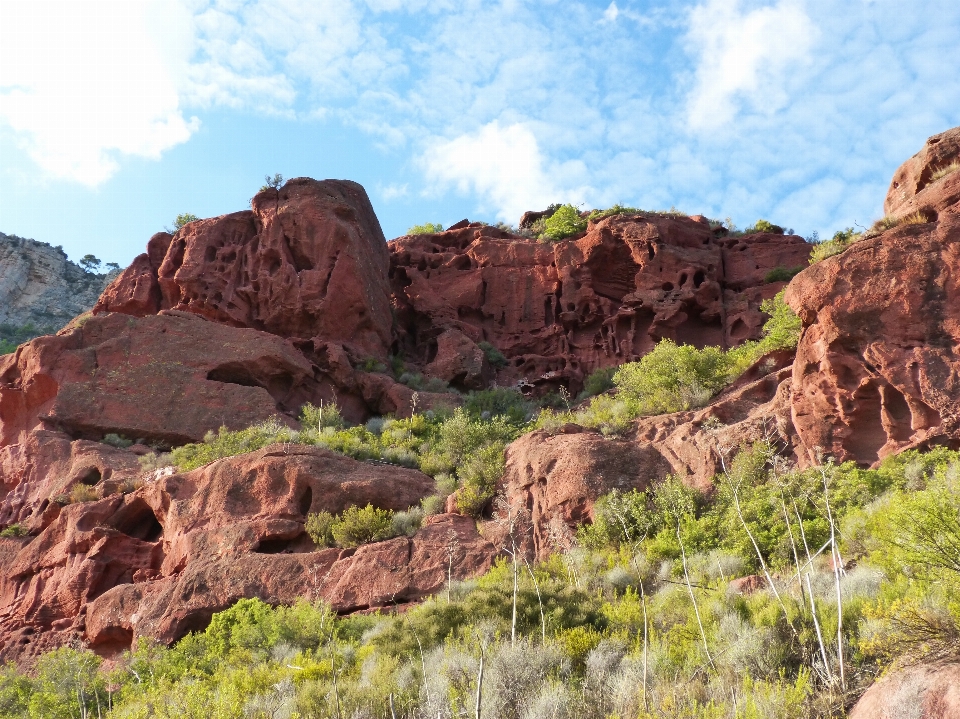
[
  {"x": 924, "y": 692},
  {"x": 913, "y": 186},
  {"x": 309, "y": 260},
  {"x": 558, "y": 311},
  {"x": 160, "y": 560}
]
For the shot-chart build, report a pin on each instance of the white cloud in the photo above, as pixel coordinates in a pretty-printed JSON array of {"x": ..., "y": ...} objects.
[
  {"x": 744, "y": 55},
  {"x": 611, "y": 13},
  {"x": 503, "y": 165},
  {"x": 83, "y": 83}
]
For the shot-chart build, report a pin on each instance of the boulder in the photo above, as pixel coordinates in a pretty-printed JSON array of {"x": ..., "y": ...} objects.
[
  {"x": 924, "y": 691},
  {"x": 309, "y": 260}
]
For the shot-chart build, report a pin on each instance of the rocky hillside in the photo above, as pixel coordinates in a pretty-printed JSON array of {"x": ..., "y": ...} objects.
[
  {"x": 39, "y": 286},
  {"x": 246, "y": 318}
]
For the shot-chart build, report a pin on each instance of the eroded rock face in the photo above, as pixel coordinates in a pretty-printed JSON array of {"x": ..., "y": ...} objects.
[
  {"x": 558, "y": 311},
  {"x": 927, "y": 691},
  {"x": 161, "y": 560},
  {"x": 554, "y": 480},
  {"x": 876, "y": 369},
  {"x": 309, "y": 260},
  {"x": 913, "y": 187}
]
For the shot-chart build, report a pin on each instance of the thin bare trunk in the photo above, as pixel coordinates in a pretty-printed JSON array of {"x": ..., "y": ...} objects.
[
  {"x": 763, "y": 564},
  {"x": 479, "y": 684},
  {"x": 696, "y": 609},
  {"x": 393, "y": 714},
  {"x": 643, "y": 603},
  {"x": 816, "y": 624},
  {"x": 513, "y": 620},
  {"x": 837, "y": 568},
  {"x": 793, "y": 545},
  {"x": 536, "y": 586}
]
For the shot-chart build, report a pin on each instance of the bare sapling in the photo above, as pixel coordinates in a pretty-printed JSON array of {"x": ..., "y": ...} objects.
[{"x": 837, "y": 569}]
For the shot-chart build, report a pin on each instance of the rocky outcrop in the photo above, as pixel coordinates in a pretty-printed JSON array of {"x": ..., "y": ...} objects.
[
  {"x": 913, "y": 186},
  {"x": 926, "y": 691},
  {"x": 159, "y": 561},
  {"x": 308, "y": 261},
  {"x": 554, "y": 479},
  {"x": 876, "y": 369},
  {"x": 40, "y": 286},
  {"x": 558, "y": 311}
]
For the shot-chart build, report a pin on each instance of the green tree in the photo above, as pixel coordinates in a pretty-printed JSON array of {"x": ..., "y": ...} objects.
[
  {"x": 565, "y": 222},
  {"x": 184, "y": 219},
  {"x": 427, "y": 228},
  {"x": 89, "y": 263},
  {"x": 272, "y": 183}
]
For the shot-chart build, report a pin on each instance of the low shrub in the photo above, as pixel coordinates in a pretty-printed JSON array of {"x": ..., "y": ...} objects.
[
  {"x": 326, "y": 415},
  {"x": 617, "y": 209},
  {"x": 80, "y": 493},
  {"x": 840, "y": 241},
  {"x": 428, "y": 228},
  {"x": 320, "y": 528},
  {"x": 14, "y": 530},
  {"x": 598, "y": 382},
  {"x": 493, "y": 355},
  {"x": 499, "y": 402},
  {"x": 12, "y": 336},
  {"x": 356, "y": 526},
  {"x": 764, "y": 226},
  {"x": 565, "y": 222},
  {"x": 781, "y": 274},
  {"x": 117, "y": 440}
]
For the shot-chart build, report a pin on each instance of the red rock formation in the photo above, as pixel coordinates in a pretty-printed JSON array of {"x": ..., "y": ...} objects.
[
  {"x": 913, "y": 187},
  {"x": 876, "y": 369},
  {"x": 557, "y": 478},
  {"x": 927, "y": 691},
  {"x": 159, "y": 561},
  {"x": 309, "y": 260},
  {"x": 560, "y": 310}
]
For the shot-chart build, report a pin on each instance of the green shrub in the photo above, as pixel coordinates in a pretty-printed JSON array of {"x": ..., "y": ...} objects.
[
  {"x": 82, "y": 493},
  {"x": 672, "y": 377},
  {"x": 563, "y": 223},
  {"x": 12, "y": 336},
  {"x": 499, "y": 402},
  {"x": 840, "y": 241},
  {"x": 479, "y": 474},
  {"x": 356, "y": 526},
  {"x": 617, "y": 209},
  {"x": 117, "y": 440},
  {"x": 764, "y": 226},
  {"x": 184, "y": 219},
  {"x": 14, "y": 530},
  {"x": 428, "y": 228},
  {"x": 326, "y": 415},
  {"x": 781, "y": 274},
  {"x": 598, "y": 382},
  {"x": 272, "y": 183},
  {"x": 493, "y": 355},
  {"x": 320, "y": 528}
]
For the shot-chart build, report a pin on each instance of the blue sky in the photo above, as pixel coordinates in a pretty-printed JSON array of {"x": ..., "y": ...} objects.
[{"x": 116, "y": 115}]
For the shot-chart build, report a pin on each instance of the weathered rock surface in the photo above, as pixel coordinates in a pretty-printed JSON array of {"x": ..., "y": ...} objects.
[
  {"x": 913, "y": 186},
  {"x": 558, "y": 311},
  {"x": 555, "y": 479},
  {"x": 309, "y": 260},
  {"x": 925, "y": 692},
  {"x": 161, "y": 560},
  {"x": 876, "y": 369},
  {"x": 40, "y": 286}
]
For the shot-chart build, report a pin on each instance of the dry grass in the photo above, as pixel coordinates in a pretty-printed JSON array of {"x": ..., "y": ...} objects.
[{"x": 942, "y": 172}]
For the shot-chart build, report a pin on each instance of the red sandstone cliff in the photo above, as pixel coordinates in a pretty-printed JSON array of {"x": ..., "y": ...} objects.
[{"x": 239, "y": 318}]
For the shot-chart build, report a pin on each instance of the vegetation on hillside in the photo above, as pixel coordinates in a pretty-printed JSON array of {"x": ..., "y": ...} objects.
[
  {"x": 12, "y": 336},
  {"x": 427, "y": 228},
  {"x": 642, "y": 617}
]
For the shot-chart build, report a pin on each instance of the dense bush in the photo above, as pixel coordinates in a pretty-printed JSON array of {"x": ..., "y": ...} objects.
[
  {"x": 428, "y": 228},
  {"x": 598, "y": 382},
  {"x": 840, "y": 241},
  {"x": 563, "y": 223},
  {"x": 782, "y": 274},
  {"x": 493, "y": 355},
  {"x": 764, "y": 226}
]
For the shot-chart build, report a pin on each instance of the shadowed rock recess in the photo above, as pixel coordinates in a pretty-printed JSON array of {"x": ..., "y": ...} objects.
[{"x": 240, "y": 318}]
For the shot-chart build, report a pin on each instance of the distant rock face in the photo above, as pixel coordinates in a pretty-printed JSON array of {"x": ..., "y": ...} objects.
[
  {"x": 309, "y": 260},
  {"x": 913, "y": 186},
  {"x": 158, "y": 562},
  {"x": 558, "y": 311},
  {"x": 40, "y": 286}
]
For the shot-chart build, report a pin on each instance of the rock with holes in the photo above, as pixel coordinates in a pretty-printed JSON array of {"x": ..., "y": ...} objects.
[
  {"x": 876, "y": 370},
  {"x": 558, "y": 311},
  {"x": 160, "y": 560},
  {"x": 927, "y": 691},
  {"x": 309, "y": 260}
]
